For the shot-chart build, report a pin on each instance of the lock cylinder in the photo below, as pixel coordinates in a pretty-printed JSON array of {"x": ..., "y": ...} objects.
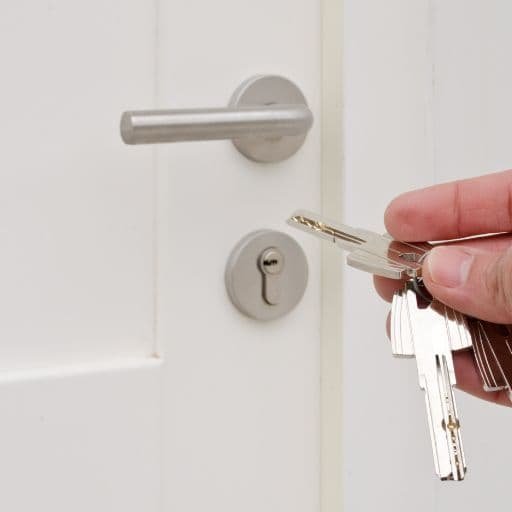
[{"x": 266, "y": 274}]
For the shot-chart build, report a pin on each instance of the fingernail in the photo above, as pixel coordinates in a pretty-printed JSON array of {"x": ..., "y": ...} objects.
[{"x": 449, "y": 266}]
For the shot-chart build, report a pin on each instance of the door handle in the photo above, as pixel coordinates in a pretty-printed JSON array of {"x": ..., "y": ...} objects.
[{"x": 267, "y": 119}]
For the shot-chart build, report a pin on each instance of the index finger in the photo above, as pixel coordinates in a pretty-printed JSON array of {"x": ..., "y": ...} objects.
[{"x": 453, "y": 210}]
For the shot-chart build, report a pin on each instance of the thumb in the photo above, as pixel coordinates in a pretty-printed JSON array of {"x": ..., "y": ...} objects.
[{"x": 475, "y": 282}]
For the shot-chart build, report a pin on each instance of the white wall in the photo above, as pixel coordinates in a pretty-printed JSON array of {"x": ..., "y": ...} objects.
[{"x": 427, "y": 95}]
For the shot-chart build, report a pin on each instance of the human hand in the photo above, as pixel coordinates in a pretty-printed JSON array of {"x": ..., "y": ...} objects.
[{"x": 472, "y": 276}]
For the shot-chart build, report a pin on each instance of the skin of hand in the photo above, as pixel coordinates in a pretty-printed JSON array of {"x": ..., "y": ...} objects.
[{"x": 473, "y": 275}]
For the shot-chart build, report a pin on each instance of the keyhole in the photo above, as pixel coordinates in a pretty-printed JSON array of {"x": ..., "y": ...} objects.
[{"x": 271, "y": 264}]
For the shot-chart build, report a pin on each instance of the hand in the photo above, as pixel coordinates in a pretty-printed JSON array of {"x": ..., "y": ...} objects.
[{"x": 473, "y": 276}]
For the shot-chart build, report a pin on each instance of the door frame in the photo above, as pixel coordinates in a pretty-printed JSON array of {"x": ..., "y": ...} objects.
[{"x": 332, "y": 207}]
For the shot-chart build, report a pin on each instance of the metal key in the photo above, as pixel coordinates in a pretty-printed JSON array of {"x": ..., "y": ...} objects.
[
  {"x": 456, "y": 324},
  {"x": 431, "y": 331},
  {"x": 377, "y": 254},
  {"x": 383, "y": 256},
  {"x": 419, "y": 327}
]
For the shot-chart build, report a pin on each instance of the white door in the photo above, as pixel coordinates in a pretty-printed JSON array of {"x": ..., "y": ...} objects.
[{"x": 128, "y": 381}]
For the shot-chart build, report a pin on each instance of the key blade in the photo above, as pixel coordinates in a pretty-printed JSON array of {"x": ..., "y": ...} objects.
[
  {"x": 437, "y": 378},
  {"x": 376, "y": 265},
  {"x": 444, "y": 425},
  {"x": 385, "y": 257},
  {"x": 344, "y": 236},
  {"x": 452, "y": 463},
  {"x": 460, "y": 335},
  {"x": 401, "y": 335}
]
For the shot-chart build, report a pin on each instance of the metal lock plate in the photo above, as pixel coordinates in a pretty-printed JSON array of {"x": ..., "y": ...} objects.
[{"x": 266, "y": 274}]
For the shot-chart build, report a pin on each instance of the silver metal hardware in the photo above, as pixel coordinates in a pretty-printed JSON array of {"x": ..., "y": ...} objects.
[
  {"x": 420, "y": 327},
  {"x": 424, "y": 328},
  {"x": 430, "y": 332},
  {"x": 271, "y": 264},
  {"x": 266, "y": 274},
  {"x": 371, "y": 252},
  {"x": 267, "y": 119}
]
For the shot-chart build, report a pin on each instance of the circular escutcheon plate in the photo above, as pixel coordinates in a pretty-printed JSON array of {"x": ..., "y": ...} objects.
[
  {"x": 268, "y": 90},
  {"x": 244, "y": 279}
]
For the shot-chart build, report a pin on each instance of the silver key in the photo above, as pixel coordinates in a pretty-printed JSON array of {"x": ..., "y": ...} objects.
[
  {"x": 420, "y": 327},
  {"x": 377, "y": 254},
  {"x": 431, "y": 331},
  {"x": 457, "y": 328}
]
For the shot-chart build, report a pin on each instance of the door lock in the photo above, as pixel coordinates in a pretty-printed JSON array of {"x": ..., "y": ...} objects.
[
  {"x": 271, "y": 264},
  {"x": 266, "y": 274}
]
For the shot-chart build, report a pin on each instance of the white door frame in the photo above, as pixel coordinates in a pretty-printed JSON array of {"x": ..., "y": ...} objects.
[{"x": 332, "y": 177}]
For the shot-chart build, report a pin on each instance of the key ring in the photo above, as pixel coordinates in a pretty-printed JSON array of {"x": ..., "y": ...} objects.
[{"x": 419, "y": 287}]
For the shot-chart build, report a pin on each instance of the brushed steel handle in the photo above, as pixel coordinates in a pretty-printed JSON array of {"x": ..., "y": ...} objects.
[
  {"x": 267, "y": 119},
  {"x": 155, "y": 126}
]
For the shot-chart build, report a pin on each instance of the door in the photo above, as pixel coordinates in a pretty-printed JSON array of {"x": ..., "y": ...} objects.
[{"x": 128, "y": 379}]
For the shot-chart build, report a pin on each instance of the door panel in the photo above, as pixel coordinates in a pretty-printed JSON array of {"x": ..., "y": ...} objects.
[
  {"x": 80, "y": 403},
  {"x": 76, "y": 207},
  {"x": 242, "y": 397},
  {"x": 81, "y": 438},
  {"x": 128, "y": 381}
]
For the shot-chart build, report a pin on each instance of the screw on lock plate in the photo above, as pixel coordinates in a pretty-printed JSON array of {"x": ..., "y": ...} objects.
[{"x": 271, "y": 264}]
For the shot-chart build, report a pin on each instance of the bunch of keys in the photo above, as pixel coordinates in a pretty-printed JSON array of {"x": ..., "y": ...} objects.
[{"x": 426, "y": 329}]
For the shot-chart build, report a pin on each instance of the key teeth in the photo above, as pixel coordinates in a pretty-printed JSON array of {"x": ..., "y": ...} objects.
[{"x": 298, "y": 218}]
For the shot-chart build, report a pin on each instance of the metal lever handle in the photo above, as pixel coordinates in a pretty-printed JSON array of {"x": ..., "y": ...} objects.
[
  {"x": 154, "y": 126},
  {"x": 268, "y": 120}
]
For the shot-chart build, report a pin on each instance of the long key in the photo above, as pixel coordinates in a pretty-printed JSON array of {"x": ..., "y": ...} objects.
[
  {"x": 371, "y": 252},
  {"x": 420, "y": 327},
  {"x": 383, "y": 256},
  {"x": 430, "y": 331}
]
